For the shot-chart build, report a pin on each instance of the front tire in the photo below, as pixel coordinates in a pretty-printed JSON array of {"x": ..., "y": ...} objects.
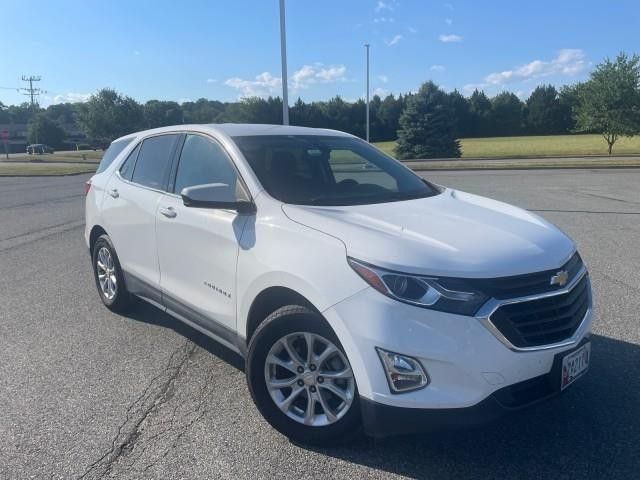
[
  {"x": 108, "y": 275},
  {"x": 300, "y": 379}
]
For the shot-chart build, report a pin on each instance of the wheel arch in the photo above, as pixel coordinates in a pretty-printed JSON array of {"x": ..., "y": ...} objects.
[
  {"x": 268, "y": 301},
  {"x": 95, "y": 233}
]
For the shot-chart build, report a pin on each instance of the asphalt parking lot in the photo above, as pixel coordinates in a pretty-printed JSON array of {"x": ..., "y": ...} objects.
[{"x": 85, "y": 393}]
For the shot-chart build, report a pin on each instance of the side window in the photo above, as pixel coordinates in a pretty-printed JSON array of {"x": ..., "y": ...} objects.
[
  {"x": 153, "y": 161},
  {"x": 203, "y": 161},
  {"x": 112, "y": 152},
  {"x": 126, "y": 170}
]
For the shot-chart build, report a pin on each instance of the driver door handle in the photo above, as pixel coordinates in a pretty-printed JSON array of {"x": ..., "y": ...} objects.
[
  {"x": 168, "y": 212},
  {"x": 114, "y": 193}
]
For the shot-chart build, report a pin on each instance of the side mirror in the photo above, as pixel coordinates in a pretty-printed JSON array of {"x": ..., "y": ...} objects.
[{"x": 216, "y": 195}]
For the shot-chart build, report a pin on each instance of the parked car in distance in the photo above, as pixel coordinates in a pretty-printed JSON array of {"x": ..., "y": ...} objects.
[
  {"x": 39, "y": 149},
  {"x": 361, "y": 296}
]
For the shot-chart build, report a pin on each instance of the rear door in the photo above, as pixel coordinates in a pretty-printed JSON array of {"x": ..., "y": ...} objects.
[{"x": 129, "y": 211}]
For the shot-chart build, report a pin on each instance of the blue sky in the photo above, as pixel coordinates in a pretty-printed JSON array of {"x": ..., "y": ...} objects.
[{"x": 229, "y": 49}]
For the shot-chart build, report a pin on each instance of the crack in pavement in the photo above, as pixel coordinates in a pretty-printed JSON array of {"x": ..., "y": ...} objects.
[{"x": 152, "y": 397}]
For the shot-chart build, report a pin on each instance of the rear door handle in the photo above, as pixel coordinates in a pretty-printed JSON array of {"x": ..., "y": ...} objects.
[
  {"x": 168, "y": 212},
  {"x": 114, "y": 193}
]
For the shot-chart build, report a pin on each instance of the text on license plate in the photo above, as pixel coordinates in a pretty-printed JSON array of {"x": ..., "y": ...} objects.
[{"x": 574, "y": 365}]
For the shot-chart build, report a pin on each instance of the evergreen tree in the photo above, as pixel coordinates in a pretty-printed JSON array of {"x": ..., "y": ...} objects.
[{"x": 427, "y": 126}]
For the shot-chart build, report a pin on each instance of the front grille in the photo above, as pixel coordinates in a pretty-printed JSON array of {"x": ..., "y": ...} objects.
[
  {"x": 543, "y": 321},
  {"x": 527, "y": 284}
]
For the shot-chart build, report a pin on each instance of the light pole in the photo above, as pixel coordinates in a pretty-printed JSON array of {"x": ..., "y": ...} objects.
[
  {"x": 283, "y": 55},
  {"x": 366, "y": 45}
]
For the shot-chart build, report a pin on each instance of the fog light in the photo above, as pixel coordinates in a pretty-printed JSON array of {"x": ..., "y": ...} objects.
[{"x": 404, "y": 373}]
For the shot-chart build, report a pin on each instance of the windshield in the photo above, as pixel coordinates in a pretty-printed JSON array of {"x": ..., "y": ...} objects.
[{"x": 329, "y": 170}]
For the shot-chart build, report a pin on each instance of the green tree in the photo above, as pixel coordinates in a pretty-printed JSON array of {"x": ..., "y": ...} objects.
[
  {"x": 389, "y": 116},
  {"x": 22, "y": 113},
  {"x": 461, "y": 114},
  {"x": 158, "y": 113},
  {"x": 544, "y": 114},
  {"x": 63, "y": 113},
  {"x": 4, "y": 114},
  {"x": 506, "y": 114},
  {"x": 427, "y": 126},
  {"x": 41, "y": 129},
  {"x": 108, "y": 115},
  {"x": 568, "y": 99},
  {"x": 480, "y": 110},
  {"x": 609, "y": 102}
]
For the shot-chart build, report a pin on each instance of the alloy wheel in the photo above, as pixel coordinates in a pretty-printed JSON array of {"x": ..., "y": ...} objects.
[
  {"x": 309, "y": 379},
  {"x": 106, "y": 270}
]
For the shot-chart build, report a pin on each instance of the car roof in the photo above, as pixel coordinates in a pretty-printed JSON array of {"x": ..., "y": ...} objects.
[
  {"x": 249, "y": 129},
  {"x": 241, "y": 130}
]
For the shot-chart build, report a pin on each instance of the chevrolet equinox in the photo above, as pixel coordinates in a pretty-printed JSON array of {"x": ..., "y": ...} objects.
[{"x": 360, "y": 295}]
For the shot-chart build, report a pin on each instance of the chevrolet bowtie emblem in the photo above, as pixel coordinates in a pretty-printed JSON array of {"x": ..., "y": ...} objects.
[{"x": 560, "y": 278}]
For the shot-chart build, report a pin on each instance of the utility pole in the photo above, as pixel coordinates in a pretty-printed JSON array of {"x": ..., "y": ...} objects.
[
  {"x": 366, "y": 45},
  {"x": 283, "y": 56},
  {"x": 32, "y": 92}
]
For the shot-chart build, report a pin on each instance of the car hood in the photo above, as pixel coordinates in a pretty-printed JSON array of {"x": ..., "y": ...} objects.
[{"x": 454, "y": 234}]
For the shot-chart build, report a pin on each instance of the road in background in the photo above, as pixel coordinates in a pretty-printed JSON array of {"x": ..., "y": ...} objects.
[{"x": 87, "y": 393}]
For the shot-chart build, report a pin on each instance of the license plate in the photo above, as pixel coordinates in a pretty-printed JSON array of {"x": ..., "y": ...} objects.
[{"x": 575, "y": 365}]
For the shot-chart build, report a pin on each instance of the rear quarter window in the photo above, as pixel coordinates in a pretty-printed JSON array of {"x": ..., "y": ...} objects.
[{"x": 112, "y": 152}]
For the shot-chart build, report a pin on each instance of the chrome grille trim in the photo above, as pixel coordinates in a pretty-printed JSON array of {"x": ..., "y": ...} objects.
[{"x": 485, "y": 312}]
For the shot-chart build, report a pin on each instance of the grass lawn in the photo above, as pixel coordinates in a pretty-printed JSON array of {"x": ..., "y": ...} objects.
[
  {"x": 545, "y": 146},
  {"x": 9, "y": 169},
  {"x": 72, "y": 156}
]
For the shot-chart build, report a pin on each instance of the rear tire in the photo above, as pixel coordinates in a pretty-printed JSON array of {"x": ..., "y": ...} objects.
[
  {"x": 319, "y": 404},
  {"x": 108, "y": 275}
]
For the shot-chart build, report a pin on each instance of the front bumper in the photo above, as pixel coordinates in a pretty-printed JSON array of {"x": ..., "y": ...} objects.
[
  {"x": 380, "y": 420},
  {"x": 467, "y": 364}
]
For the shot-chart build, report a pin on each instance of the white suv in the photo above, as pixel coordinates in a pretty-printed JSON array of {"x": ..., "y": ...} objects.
[{"x": 359, "y": 294}]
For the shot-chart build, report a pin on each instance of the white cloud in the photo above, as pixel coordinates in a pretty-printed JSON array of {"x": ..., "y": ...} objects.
[
  {"x": 448, "y": 21},
  {"x": 70, "y": 98},
  {"x": 136, "y": 52},
  {"x": 395, "y": 40},
  {"x": 384, "y": 20},
  {"x": 383, "y": 78},
  {"x": 412, "y": 30},
  {"x": 264, "y": 85},
  {"x": 452, "y": 38},
  {"x": 317, "y": 73},
  {"x": 382, "y": 5},
  {"x": 448, "y": 6},
  {"x": 437, "y": 68},
  {"x": 568, "y": 61},
  {"x": 184, "y": 100},
  {"x": 211, "y": 80},
  {"x": 381, "y": 92}
]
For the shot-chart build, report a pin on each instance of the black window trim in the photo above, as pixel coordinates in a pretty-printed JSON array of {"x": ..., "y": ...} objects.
[
  {"x": 134, "y": 149},
  {"x": 176, "y": 162},
  {"x": 167, "y": 173}
]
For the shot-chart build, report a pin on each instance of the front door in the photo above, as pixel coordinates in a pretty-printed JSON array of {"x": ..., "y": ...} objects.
[{"x": 198, "y": 247}]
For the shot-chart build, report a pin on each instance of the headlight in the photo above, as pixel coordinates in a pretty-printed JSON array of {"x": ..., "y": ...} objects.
[{"x": 443, "y": 294}]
